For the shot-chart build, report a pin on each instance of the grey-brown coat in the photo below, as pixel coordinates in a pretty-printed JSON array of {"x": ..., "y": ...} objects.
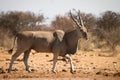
[{"x": 58, "y": 42}]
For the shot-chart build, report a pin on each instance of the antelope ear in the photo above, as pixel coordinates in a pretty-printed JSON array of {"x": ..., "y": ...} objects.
[{"x": 59, "y": 34}]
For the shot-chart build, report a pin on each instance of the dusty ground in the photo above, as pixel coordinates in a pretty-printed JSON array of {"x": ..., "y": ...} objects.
[{"x": 88, "y": 66}]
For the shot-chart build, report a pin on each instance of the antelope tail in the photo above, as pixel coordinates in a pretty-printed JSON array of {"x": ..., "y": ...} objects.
[{"x": 11, "y": 50}]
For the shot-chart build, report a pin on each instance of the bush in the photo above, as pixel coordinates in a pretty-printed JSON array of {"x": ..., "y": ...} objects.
[{"x": 108, "y": 29}]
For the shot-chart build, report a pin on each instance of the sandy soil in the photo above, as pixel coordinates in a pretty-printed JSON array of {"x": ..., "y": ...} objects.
[{"x": 88, "y": 66}]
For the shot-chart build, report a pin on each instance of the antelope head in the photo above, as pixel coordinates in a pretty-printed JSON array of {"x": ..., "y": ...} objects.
[{"x": 81, "y": 29}]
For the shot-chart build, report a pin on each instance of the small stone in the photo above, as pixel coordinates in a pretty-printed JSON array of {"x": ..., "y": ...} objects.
[
  {"x": 94, "y": 67},
  {"x": 64, "y": 70},
  {"x": 97, "y": 73},
  {"x": 1, "y": 71},
  {"x": 47, "y": 55},
  {"x": 15, "y": 69}
]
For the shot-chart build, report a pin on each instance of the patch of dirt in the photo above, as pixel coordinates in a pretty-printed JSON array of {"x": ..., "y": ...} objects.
[{"x": 87, "y": 65}]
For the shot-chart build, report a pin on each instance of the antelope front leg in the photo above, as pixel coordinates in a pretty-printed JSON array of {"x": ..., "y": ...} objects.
[{"x": 71, "y": 64}]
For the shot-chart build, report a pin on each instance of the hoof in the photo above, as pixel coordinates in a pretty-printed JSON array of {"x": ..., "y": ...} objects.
[
  {"x": 72, "y": 71},
  {"x": 29, "y": 70},
  {"x": 54, "y": 71}
]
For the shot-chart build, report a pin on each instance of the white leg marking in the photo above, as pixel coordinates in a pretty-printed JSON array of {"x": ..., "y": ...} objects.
[{"x": 71, "y": 64}]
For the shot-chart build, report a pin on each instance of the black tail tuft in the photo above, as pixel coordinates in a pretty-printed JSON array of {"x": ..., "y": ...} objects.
[{"x": 10, "y": 51}]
